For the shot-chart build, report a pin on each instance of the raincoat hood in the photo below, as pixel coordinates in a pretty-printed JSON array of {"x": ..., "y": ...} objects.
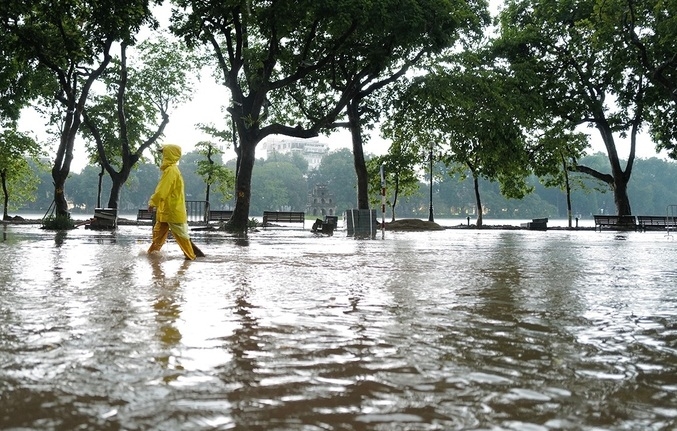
[{"x": 170, "y": 155}]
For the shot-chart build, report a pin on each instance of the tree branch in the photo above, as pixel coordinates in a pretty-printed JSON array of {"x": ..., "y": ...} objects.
[{"x": 606, "y": 178}]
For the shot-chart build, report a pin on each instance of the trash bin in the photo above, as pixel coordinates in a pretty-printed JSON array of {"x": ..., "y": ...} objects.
[{"x": 361, "y": 223}]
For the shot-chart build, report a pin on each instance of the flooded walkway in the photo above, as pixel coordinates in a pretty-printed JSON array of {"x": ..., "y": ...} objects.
[{"x": 448, "y": 330}]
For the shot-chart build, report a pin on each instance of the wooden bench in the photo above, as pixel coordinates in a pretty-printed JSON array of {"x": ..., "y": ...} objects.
[
  {"x": 283, "y": 217},
  {"x": 214, "y": 215},
  {"x": 220, "y": 215},
  {"x": 536, "y": 224},
  {"x": 145, "y": 214},
  {"x": 326, "y": 226},
  {"x": 646, "y": 222},
  {"x": 104, "y": 219},
  {"x": 615, "y": 222}
]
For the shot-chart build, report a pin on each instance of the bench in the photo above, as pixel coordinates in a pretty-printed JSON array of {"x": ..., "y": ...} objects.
[
  {"x": 646, "y": 222},
  {"x": 536, "y": 224},
  {"x": 283, "y": 217},
  {"x": 615, "y": 222},
  {"x": 220, "y": 215},
  {"x": 326, "y": 226},
  {"x": 145, "y": 214},
  {"x": 214, "y": 215},
  {"x": 104, "y": 219}
]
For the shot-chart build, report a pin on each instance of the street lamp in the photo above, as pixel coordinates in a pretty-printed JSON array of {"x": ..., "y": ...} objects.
[{"x": 430, "y": 216}]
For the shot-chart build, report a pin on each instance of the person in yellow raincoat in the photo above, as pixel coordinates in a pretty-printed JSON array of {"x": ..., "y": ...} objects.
[{"x": 169, "y": 204}]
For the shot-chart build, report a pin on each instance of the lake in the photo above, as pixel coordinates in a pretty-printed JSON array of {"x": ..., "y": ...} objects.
[{"x": 283, "y": 330}]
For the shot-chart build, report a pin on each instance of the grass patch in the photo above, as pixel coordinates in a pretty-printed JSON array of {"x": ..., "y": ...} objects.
[{"x": 58, "y": 222}]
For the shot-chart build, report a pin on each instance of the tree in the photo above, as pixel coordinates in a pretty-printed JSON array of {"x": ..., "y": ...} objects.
[
  {"x": 133, "y": 116},
  {"x": 265, "y": 49},
  {"x": 17, "y": 178},
  {"x": 467, "y": 113},
  {"x": 213, "y": 172},
  {"x": 278, "y": 184},
  {"x": 20, "y": 82},
  {"x": 337, "y": 172},
  {"x": 399, "y": 171},
  {"x": 141, "y": 184},
  {"x": 555, "y": 157},
  {"x": 555, "y": 49},
  {"x": 259, "y": 48},
  {"x": 382, "y": 50},
  {"x": 650, "y": 27},
  {"x": 84, "y": 191},
  {"x": 72, "y": 41}
]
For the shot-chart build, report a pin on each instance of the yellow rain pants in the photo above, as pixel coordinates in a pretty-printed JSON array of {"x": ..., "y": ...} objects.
[{"x": 179, "y": 232}]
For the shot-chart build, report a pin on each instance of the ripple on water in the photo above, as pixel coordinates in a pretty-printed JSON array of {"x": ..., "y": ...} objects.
[{"x": 285, "y": 330}]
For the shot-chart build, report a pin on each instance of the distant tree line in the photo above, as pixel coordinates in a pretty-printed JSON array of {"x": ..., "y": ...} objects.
[{"x": 284, "y": 181}]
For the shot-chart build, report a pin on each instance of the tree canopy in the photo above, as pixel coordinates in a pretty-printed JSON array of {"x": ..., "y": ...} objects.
[
  {"x": 577, "y": 56},
  {"x": 71, "y": 41}
]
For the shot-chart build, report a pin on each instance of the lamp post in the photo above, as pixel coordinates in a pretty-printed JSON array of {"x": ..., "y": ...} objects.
[{"x": 430, "y": 215}]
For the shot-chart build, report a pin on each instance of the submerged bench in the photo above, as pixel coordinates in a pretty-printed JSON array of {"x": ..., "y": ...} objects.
[
  {"x": 536, "y": 224},
  {"x": 615, "y": 222},
  {"x": 145, "y": 214},
  {"x": 220, "y": 215},
  {"x": 214, "y": 215},
  {"x": 647, "y": 222},
  {"x": 104, "y": 219},
  {"x": 326, "y": 226},
  {"x": 283, "y": 217}
]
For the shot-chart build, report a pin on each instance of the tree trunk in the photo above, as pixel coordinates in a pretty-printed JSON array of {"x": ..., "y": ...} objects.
[
  {"x": 247, "y": 155},
  {"x": 619, "y": 185},
  {"x": 117, "y": 182},
  {"x": 5, "y": 192},
  {"x": 621, "y": 199},
  {"x": 396, "y": 189},
  {"x": 358, "y": 153},
  {"x": 478, "y": 201},
  {"x": 59, "y": 176},
  {"x": 209, "y": 176},
  {"x": 99, "y": 187},
  {"x": 618, "y": 179},
  {"x": 64, "y": 157},
  {"x": 61, "y": 169},
  {"x": 567, "y": 189},
  {"x": 568, "y": 194}
]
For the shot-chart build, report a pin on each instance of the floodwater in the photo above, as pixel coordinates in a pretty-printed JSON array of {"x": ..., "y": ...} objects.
[{"x": 448, "y": 330}]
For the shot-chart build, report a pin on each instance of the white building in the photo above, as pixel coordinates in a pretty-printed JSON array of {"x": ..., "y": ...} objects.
[{"x": 311, "y": 149}]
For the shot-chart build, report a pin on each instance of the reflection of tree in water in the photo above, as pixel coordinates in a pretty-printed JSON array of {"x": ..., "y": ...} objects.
[
  {"x": 240, "y": 373},
  {"x": 167, "y": 307},
  {"x": 60, "y": 237}
]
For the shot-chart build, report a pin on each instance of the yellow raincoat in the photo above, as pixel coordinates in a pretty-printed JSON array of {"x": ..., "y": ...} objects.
[
  {"x": 169, "y": 197},
  {"x": 170, "y": 202}
]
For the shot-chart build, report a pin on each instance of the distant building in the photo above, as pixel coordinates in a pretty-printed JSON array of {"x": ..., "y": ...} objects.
[
  {"x": 321, "y": 202},
  {"x": 311, "y": 149}
]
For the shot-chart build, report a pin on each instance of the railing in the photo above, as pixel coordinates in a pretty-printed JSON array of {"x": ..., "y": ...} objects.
[{"x": 197, "y": 211}]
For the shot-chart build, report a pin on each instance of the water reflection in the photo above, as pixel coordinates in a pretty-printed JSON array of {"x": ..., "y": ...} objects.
[
  {"x": 60, "y": 237},
  {"x": 422, "y": 331},
  {"x": 167, "y": 307}
]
